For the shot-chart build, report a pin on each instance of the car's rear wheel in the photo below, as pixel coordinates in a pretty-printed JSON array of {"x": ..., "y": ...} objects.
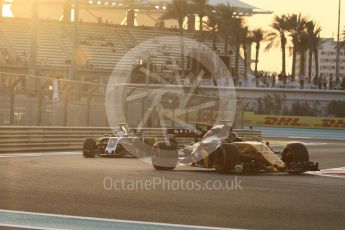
[
  {"x": 164, "y": 157},
  {"x": 294, "y": 154},
  {"x": 225, "y": 158},
  {"x": 89, "y": 148}
]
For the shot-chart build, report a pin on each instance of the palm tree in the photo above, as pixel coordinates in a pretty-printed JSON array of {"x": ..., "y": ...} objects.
[
  {"x": 245, "y": 40},
  {"x": 278, "y": 37},
  {"x": 342, "y": 43},
  {"x": 226, "y": 23},
  {"x": 314, "y": 40},
  {"x": 202, "y": 9},
  {"x": 302, "y": 46},
  {"x": 295, "y": 25},
  {"x": 238, "y": 36},
  {"x": 257, "y": 36},
  {"x": 178, "y": 10},
  {"x": 213, "y": 24}
]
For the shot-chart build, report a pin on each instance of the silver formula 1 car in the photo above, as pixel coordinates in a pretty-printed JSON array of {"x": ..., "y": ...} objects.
[{"x": 122, "y": 143}]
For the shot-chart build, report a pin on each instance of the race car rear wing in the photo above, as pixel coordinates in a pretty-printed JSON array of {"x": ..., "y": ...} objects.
[{"x": 199, "y": 131}]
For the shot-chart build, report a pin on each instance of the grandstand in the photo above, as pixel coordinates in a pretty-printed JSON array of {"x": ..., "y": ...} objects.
[
  {"x": 100, "y": 46},
  {"x": 103, "y": 36}
]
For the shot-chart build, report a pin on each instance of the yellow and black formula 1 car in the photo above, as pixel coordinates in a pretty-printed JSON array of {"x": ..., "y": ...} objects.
[{"x": 226, "y": 152}]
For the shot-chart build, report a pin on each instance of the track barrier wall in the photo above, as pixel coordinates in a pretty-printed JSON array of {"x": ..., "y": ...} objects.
[{"x": 26, "y": 139}]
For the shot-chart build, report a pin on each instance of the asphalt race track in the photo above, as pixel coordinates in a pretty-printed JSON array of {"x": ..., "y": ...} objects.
[{"x": 68, "y": 184}]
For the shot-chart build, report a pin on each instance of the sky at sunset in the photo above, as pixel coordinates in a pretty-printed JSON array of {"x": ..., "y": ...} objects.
[{"x": 325, "y": 12}]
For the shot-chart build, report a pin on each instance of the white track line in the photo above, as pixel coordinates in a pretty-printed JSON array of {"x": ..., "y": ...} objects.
[
  {"x": 29, "y": 227},
  {"x": 47, "y": 154},
  {"x": 17, "y": 216},
  {"x": 333, "y": 172}
]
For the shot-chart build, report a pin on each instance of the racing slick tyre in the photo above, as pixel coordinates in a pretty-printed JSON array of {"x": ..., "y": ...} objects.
[
  {"x": 89, "y": 148},
  {"x": 225, "y": 158},
  {"x": 164, "y": 157},
  {"x": 293, "y": 154}
]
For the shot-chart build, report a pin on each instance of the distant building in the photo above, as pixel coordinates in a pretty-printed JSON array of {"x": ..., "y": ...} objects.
[{"x": 327, "y": 60}]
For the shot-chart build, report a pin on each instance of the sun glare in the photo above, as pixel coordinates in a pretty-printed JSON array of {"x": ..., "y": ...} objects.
[{"x": 6, "y": 9}]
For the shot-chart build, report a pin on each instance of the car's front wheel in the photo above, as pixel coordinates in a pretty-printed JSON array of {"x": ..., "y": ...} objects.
[
  {"x": 164, "y": 157},
  {"x": 293, "y": 155},
  {"x": 89, "y": 148},
  {"x": 225, "y": 158}
]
